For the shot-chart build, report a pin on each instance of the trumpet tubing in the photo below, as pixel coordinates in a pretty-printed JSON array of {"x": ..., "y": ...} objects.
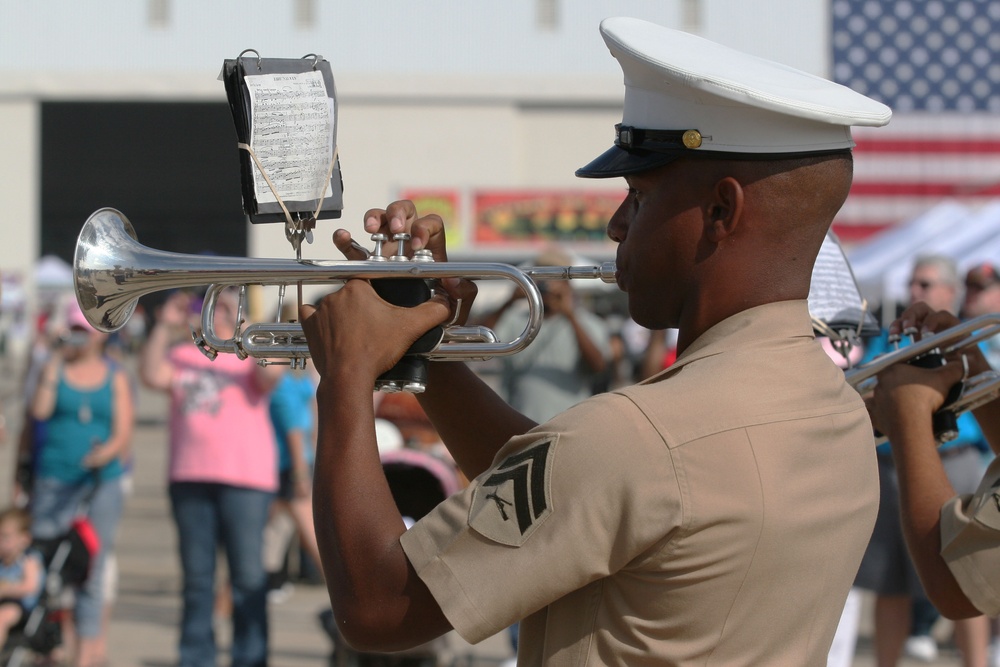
[
  {"x": 112, "y": 270},
  {"x": 970, "y": 332},
  {"x": 976, "y": 390}
]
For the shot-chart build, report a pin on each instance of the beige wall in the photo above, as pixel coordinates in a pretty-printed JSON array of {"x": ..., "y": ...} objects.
[
  {"x": 19, "y": 192},
  {"x": 19, "y": 171}
]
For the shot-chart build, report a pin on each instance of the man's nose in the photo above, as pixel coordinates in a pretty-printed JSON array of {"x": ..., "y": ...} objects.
[{"x": 618, "y": 224}]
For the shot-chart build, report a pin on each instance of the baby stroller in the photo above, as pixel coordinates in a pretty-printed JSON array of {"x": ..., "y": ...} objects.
[
  {"x": 67, "y": 565},
  {"x": 418, "y": 482}
]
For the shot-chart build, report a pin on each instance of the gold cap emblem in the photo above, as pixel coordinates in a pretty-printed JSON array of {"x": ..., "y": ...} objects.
[{"x": 692, "y": 139}]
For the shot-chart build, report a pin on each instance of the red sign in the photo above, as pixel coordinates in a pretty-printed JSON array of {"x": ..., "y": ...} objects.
[{"x": 532, "y": 216}]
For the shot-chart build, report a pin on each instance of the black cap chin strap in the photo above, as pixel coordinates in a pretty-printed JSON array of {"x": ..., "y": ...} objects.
[{"x": 657, "y": 141}]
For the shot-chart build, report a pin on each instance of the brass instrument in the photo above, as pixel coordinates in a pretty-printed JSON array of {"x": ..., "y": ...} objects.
[
  {"x": 975, "y": 391},
  {"x": 112, "y": 270}
]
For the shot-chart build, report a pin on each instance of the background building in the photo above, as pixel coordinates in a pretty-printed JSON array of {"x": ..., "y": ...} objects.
[{"x": 485, "y": 109}]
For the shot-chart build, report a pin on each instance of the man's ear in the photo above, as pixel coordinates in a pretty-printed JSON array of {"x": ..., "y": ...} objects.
[{"x": 725, "y": 210}]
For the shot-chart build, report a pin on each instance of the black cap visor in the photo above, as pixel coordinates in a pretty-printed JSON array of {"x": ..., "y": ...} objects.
[{"x": 617, "y": 161}]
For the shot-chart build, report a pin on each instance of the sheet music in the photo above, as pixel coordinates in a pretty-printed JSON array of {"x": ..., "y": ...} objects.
[
  {"x": 292, "y": 132},
  {"x": 834, "y": 296}
]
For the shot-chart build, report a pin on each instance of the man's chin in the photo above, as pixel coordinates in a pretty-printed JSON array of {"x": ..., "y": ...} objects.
[{"x": 648, "y": 320}]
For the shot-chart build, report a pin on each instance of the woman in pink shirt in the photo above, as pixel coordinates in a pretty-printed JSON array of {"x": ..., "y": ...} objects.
[{"x": 223, "y": 474}]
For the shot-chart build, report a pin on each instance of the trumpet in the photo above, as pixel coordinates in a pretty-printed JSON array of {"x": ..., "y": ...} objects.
[
  {"x": 970, "y": 394},
  {"x": 112, "y": 270}
]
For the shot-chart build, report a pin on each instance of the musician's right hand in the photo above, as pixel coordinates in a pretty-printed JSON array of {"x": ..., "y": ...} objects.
[
  {"x": 926, "y": 321},
  {"x": 425, "y": 232},
  {"x": 399, "y": 217},
  {"x": 923, "y": 319}
]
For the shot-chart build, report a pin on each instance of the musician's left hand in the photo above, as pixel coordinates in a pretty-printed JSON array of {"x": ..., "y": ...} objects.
[
  {"x": 906, "y": 392},
  {"x": 355, "y": 335}
]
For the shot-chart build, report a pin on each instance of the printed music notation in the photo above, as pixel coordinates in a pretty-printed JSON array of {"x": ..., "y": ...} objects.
[
  {"x": 292, "y": 133},
  {"x": 834, "y": 296}
]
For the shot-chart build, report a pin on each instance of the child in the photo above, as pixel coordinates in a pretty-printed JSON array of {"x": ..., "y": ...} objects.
[{"x": 21, "y": 570}]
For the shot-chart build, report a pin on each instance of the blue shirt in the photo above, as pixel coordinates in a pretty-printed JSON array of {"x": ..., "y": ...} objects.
[
  {"x": 15, "y": 573},
  {"x": 292, "y": 409},
  {"x": 80, "y": 420}
]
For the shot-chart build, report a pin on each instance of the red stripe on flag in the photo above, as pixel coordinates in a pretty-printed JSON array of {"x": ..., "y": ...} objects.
[
  {"x": 855, "y": 233},
  {"x": 934, "y": 146},
  {"x": 888, "y": 188}
]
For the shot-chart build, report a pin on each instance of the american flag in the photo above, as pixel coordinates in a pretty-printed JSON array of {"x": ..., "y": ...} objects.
[{"x": 934, "y": 62}]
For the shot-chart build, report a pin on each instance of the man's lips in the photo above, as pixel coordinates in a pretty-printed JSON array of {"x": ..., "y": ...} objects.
[{"x": 620, "y": 273}]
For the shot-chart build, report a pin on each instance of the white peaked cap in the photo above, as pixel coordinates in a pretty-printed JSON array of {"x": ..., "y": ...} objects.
[{"x": 685, "y": 95}]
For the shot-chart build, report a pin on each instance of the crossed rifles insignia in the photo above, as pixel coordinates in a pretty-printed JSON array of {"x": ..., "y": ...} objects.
[
  {"x": 514, "y": 497},
  {"x": 989, "y": 510}
]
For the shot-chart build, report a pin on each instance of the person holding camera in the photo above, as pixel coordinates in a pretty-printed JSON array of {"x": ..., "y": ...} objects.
[{"x": 567, "y": 357}]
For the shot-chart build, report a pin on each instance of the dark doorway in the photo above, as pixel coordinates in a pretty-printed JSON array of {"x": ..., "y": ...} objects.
[{"x": 171, "y": 168}]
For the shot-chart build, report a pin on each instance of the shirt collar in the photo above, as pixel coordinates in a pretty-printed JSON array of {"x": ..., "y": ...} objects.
[{"x": 781, "y": 319}]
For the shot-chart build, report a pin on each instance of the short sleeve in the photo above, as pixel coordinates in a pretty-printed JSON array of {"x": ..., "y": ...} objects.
[
  {"x": 970, "y": 541},
  {"x": 568, "y": 503}
]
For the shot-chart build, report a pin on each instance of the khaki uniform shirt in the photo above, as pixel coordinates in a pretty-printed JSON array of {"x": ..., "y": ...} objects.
[
  {"x": 970, "y": 541},
  {"x": 714, "y": 515}
]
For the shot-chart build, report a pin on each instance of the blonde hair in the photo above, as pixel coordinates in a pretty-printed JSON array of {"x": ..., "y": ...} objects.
[{"x": 18, "y": 516}]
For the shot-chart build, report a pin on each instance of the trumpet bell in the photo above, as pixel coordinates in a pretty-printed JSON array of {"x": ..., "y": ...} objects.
[{"x": 101, "y": 268}]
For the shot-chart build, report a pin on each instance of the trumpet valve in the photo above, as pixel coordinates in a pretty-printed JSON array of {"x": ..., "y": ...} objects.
[
  {"x": 401, "y": 239},
  {"x": 388, "y": 387},
  {"x": 896, "y": 339},
  {"x": 378, "y": 240},
  {"x": 396, "y": 386}
]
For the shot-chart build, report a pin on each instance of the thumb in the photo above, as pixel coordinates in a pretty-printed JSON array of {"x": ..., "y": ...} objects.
[
  {"x": 955, "y": 370},
  {"x": 431, "y": 313},
  {"x": 305, "y": 311}
]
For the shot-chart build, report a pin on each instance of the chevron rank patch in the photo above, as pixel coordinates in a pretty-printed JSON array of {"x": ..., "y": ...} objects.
[
  {"x": 514, "y": 496},
  {"x": 988, "y": 510}
]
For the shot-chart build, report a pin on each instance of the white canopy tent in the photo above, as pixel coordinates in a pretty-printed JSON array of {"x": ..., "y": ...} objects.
[
  {"x": 53, "y": 273},
  {"x": 899, "y": 245},
  {"x": 53, "y": 283},
  {"x": 958, "y": 241},
  {"x": 883, "y": 265},
  {"x": 987, "y": 252}
]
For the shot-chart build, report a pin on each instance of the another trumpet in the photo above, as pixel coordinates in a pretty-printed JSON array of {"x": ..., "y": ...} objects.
[
  {"x": 112, "y": 270},
  {"x": 974, "y": 391}
]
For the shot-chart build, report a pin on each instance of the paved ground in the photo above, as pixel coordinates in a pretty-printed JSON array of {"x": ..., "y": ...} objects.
[{"x": 145, "y": 619}]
